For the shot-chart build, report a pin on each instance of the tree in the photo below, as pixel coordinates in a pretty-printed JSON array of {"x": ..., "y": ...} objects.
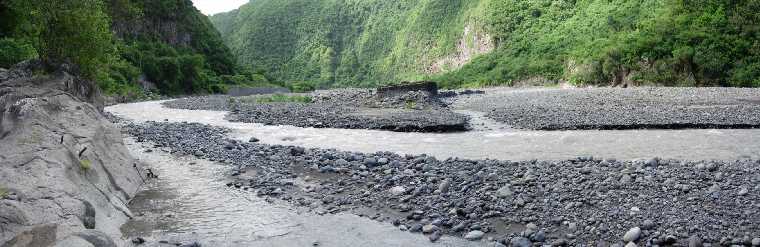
[
  {"x": 75, "y": 31},
  {"x": 14, "y": 51}
]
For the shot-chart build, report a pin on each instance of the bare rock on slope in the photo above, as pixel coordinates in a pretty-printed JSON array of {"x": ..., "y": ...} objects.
[{"x": 64, "y": 170}]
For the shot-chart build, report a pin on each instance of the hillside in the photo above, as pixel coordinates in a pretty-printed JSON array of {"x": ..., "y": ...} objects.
[
  {"x": 489, "y": 42},
  {"x": 354, "y": 42},
  {"x": 127, "y": 46}
]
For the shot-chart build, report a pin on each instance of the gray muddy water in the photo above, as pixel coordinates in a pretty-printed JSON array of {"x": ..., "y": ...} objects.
[
  {"x": 488, "y": 141},
  {"x": 190, "y": 202}
]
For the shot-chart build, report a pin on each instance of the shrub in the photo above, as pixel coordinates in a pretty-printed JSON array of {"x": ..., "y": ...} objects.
[
  {"x": 301, "y": 87},
  {"x": 13, "y": 51},
  {"x": 283, "y": 98},
  {"x": 85, "y": 165}
]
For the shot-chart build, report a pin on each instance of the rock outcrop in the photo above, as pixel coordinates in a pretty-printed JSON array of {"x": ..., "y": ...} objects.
[{"x": 65, "y": 175}]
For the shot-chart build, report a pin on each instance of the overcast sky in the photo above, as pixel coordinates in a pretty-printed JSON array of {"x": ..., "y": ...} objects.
[{"x": 211, "y": 7}]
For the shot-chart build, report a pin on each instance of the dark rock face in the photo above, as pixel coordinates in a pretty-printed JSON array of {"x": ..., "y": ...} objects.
[
  {"x": 405, "y": 87},
  {"x": 632, "y": 108},
  {"x": 583, "y": 201},
  {"x": 63, "y": 163}
]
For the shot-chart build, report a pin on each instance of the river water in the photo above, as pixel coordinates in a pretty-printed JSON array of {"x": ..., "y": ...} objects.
[
  {"x": 190, "y": 202},
  {"x": 488, "y": 141}
]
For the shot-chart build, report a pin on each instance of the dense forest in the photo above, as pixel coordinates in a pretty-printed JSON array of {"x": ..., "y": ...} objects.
[
  {"x": 122, "y": 44},
  {"x": 327, "y": 43},
  {"x": 170, "y": 47}
]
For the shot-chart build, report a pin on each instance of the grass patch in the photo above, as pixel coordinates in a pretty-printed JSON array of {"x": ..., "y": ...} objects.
[
  {"x": 85, "y": 165},
  {"x": 410, "y": 105},
  {"x": 3, "y": 192},
  {"x": 276, "y": 98}
]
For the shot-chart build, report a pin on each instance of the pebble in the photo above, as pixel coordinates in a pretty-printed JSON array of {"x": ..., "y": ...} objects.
[
  {"x": 435, "y": 236},
  {"x": 647, "y": 225},
  {"x": 474, "y": 235},
  {"x": 416, "y": 228},
  {"x": 398, "y": 190},
  {"x": 632, "y": 235},
  {"x": 429, "y": 228},
  {"x": 695, "y": 241},
  {"x": 519, "y": 242},
  {"x": 504, "y": 192},
  {"x": 138, "y": 240},
  {"x": 743, "y": 191},
  {"x": 572, "y": 227},
  {"x": 444, "y": 186}
]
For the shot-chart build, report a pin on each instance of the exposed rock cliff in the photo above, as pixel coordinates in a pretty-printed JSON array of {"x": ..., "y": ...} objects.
[{"x": 65, "y": 175}]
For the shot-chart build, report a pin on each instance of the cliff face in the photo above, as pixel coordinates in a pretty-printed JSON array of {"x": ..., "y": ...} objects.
[
  {"x": 176, "y": 23},
  {"x": 65, "y": 175}
]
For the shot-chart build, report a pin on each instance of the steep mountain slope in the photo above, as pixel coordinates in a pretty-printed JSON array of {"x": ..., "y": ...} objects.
[
  {"x": 171, "y": 43},
  {"x": 355, "y": 42},
  {"x": 126, "y": 46},
  {"x": 368, "y": 42}
]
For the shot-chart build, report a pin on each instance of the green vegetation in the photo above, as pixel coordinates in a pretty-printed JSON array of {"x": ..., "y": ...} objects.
[
  {"x": 664, "y": 42},
  {"x": 85, "y": 165},
  {"x": 3, "y": 192},
  {"x": 410, "y": 105},
  {"x": 282, "y": 98},
  {"x": 333, "y": 43},
  {"x": 305, "y": 45},
  {"x": 13, "y": 51},
  {"x": 119, "y": 43},
  {"x": 328, "y": 43}
]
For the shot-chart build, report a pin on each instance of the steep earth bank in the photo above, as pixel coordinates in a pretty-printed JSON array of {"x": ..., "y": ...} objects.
[
  {"x": 65, "y": 176},
  {"x": 583, "y": 201}
]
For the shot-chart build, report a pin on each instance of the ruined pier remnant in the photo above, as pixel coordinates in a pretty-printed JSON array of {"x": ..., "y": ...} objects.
[{"x": 397, "y": 90}]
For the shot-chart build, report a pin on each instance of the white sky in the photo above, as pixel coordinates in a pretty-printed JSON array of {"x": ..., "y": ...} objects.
[{"x": 210, "y": 7}]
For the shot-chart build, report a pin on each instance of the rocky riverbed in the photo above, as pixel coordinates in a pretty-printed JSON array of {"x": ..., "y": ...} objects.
[
  {"x": 583, "y": 201},
  {"x": 414, "y": 111},
  {"x": 618, "y": 108}
]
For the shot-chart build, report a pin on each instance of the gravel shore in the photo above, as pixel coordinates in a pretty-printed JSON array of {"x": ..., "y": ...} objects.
[
  {"x": 584, "y": 201},
  {"x": 343, "y": 108},
  {"x": 617, "y": 108}
]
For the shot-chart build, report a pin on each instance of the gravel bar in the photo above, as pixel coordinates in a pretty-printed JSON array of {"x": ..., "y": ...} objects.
[
  {"x": 617, "y": 108},
  {"x": 581, "y": 202},
  {"x": 344, "y": 108}
]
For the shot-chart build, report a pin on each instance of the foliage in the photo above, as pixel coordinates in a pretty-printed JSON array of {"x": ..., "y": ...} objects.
[
  {"x": 283, "y": 98},
  {"x": 76, "y": 31},
  {"x": 301, "y": 87},
  {"x": 3, "y": 192},
  {"x": 13, "y": 51},
  {"x": 328, "y": 43},
  {"x": 410, "y": 105},
  {"x": 85, "y": 165},
  {"x": 118, "y": 43},
  {"x": 665, "y": 42}
]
